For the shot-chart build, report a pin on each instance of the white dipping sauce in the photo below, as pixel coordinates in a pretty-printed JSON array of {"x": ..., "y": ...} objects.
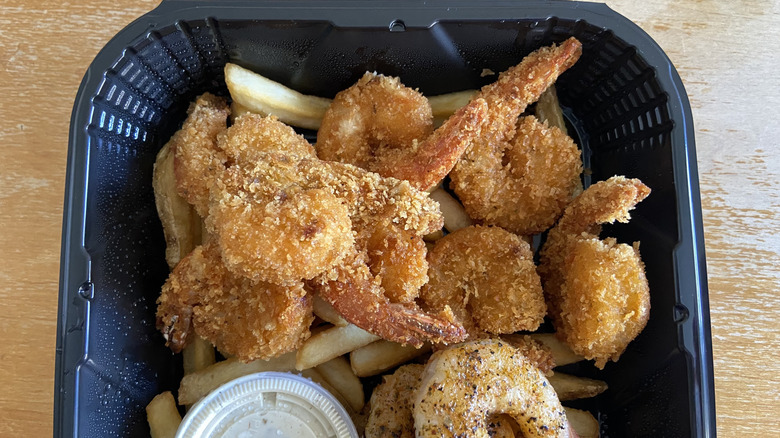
[{"x": 268, "y": 404}]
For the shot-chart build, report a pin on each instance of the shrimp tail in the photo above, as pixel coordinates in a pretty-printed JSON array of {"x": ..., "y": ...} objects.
[
  {"x": 438, "y": 153},
  {"x": 525, "y": 82},
  {"x": 361, "y": 301},
  {"x": 602, "y": 203}
]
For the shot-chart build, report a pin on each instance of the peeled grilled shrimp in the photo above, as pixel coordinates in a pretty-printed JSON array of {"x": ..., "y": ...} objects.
[
  {"x": 465, "y": 385},
  {"x": 596, "y": 290},
  {"x": 520, "y": 175},
  {"x": 392, "y": 403},
  {"x": 487, "y": 277},
  {"x": 382, "y": 126}
]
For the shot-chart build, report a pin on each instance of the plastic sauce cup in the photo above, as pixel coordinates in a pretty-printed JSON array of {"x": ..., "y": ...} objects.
[{"x": 268, "y": 404}]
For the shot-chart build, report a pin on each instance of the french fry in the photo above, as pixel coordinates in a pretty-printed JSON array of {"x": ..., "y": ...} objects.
[
  {"x": 197, "y": 385},
  {"x": 562, "y": 354},
  {"x": 332, "y": 342},
  {"x": 264, "y": 96},
  {"x": 181, "y": 225},
  {"x": 549, "y": 110},
  {"x": 339, "y": 374},
  {"x": 382, "y": 355},
  {"x": 252, "y": 92},
  {"x": 445, "y": 105},
  {"x": 434, "y": 236},
  {"x": 237, "y": 110},
  {"x": 583, "y": 423},
  {"x": 570, "y": 387},
  {"x": 327, "y": 313},
  {"x": 163, "y": 416},
  {"x": 198, "y": 354},
  {"x": 455, "y": 216}
]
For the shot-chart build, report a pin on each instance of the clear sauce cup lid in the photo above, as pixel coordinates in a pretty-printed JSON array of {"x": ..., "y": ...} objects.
[{"x": 268, "y": 404}]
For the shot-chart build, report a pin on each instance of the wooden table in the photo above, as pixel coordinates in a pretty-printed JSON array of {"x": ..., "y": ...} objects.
[{"x": 726, "y": 53}]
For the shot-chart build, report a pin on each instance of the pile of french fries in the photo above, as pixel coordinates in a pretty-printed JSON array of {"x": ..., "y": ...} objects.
[{"x": 338, "y": 354}]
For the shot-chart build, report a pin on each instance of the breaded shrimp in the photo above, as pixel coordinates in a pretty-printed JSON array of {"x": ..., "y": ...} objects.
[
  {"x": 274, "y": 230},
  {"x": 286, "y": 217},
  {"x": 253, "y": 135},
  {"x": 596, "y": 291},
  {"x": 398, "y": 258},
  {"x": 465, "y": 385},
  {"x": 382, "y": 126},
  {"x": 197, "y": 159},
  {"x": 520, "y": 175},
  {"x": 251, "y": 320},
  {"x": 357, "y": 295},
  {"x": 487, "y": 276}
]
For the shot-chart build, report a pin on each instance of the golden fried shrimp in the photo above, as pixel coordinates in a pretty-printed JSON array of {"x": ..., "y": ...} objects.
[
  {"x": 376, "y": 114},
  {"x": 463, "y": 386},
  {"x": 197, "y": 158},
  {"x": 251, "y": 320},
  {"x": 520, "y": 175},
  {"x": 487, "y": 277},
  {"x": 398, "y": 258},
  {"x": 391, "y": 404},
  {"x": 357, "y": 295},
  {"x": 604, "y": 301},
  {"x": 276, "y": 233},
  {"x": 382, "y": 126},
  {"x": 285, "y": 218},
  {"x": 596, "y": 291},
  {"x": 252, "y": 135}
]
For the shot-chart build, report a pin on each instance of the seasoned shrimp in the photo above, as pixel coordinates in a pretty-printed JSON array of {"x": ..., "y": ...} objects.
[
  {"x": 392, "y": 402},
  {"x": 251, "y": 320},
  {"x": 382, "y": 126},
  {"x": 463, "y": 386},
  {"x": 487, "y": 276},
  {"x": 596, "y": 290},
  {"x": 520, "y": 175},
  {"x": 197, "y": 158}
]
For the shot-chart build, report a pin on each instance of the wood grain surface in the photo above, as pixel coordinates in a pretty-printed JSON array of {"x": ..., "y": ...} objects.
[{"x": 726, "y": 53}]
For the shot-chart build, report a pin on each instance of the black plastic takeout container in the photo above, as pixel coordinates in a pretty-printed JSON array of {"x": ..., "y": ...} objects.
[{"x": 623, "y": 98}]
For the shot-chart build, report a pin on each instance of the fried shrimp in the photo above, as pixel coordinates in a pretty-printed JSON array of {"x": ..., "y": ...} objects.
[
  {"x": 520, "y": 175},
  {"x": 398, "y": 258},
  {"x": 196, "y": 155},
  {"x": 251, "y": 320},
  {"x": 358, "y": 236},
  {"x": 380, "y": 125},
  {"x": 273, "y": 230},
  {"x": 487, "y": 276},
  {"x": 357, "y": 295},
  {"x": 596, "y": 290},
  {"x": 463, "y": 386},
  {"x": 253, "y": 135}
]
